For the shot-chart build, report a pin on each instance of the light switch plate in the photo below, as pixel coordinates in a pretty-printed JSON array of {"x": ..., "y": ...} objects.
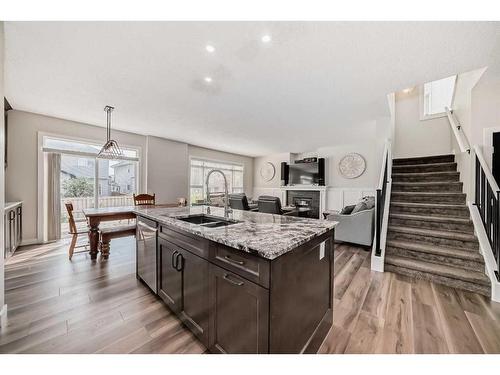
[{"x": 321, "y": 250}]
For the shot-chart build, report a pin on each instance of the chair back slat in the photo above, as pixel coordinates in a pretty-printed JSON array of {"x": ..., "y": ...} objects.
[
  {"x": 144, "y": 199},
  {"x": 71, "y": 219}
]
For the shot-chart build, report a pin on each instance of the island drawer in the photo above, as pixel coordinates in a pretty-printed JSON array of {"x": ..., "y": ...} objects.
[
  {"x": 196, "y": 245},
  {"x": 249, "y": 266}
]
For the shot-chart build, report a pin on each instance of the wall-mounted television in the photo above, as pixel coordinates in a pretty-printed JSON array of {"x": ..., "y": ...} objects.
[{"x": 305, "y": 174}]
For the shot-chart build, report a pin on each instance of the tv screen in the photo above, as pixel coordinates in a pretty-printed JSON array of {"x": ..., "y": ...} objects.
[{"x": 304, "y": 174}]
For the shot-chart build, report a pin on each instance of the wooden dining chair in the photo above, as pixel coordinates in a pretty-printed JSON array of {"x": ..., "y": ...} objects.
[
  {"x": 144, "y": 199},
  {"x": 75, "y": 232}
]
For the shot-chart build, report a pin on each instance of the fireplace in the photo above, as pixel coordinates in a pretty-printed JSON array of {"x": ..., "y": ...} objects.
[{"x": 305, "y": 198}]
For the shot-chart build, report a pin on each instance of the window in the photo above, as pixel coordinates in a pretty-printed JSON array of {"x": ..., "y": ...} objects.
[
  {"x": 436, "y": 96},
  {"x": 199, "y": 170}
]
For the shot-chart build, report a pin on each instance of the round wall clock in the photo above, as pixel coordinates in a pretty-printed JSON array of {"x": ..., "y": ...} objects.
[
  {"x": 267, "y": 171},
  {"x": 352, "y": 165}
]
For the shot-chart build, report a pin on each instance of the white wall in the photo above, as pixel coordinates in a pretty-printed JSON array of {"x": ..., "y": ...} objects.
[
  {"x": 22, "y": 170},
  {"x": 414, "y": 137},
  {"x": 340, "y": 191},
  {"x": 2, "y": 192},
  {"x": 163, "y": 168},
  {"x": 167, "y": 169},
  {"x": 485, "y": 116},
  {"x": 462, "y": 109},
  {"x": 248, "y": 162}
]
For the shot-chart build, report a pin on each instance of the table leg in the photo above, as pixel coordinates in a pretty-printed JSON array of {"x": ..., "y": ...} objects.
[
  {"x": 93, "y": 238},
  {"x": 105, "y": 248}
]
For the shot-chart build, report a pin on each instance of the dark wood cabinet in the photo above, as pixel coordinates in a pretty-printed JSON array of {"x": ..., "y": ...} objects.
[
  {"x": 239, "y": 319},
  {"x": 236, "y": 302},
  {"x": 183, "y": 286},
  {"x": 169, "y": 277},
  {"x": 12, "y": 229}
]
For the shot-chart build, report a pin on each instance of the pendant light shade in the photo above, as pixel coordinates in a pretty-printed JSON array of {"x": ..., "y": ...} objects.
[{"x": 110, "y": 150}]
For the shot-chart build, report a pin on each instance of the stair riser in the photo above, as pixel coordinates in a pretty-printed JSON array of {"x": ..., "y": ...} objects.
[
  {"x": 445, "y": 187},
  {"x": 445, "y": 177},
  {"x": 438, "y": 241},
  {"x": 438, "y": 198},
  {"x": 454, "y": 283},
  {"x": 452, "y": 167},
  {"x": 425, "y": 224},
  {"x": 425, "y": 160},
  {"x": 438, "y": 259},
  {"x": 431, "y": 211}
]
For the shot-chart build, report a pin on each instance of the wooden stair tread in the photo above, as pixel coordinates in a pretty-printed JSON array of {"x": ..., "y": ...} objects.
[
  {"x": 404, "y": 166},
  {"x": 434, "y": 233},
  {"x": 439, "y": 269},
  {"x": 423, "y": 159},
  {"x": 428, "y": 183},
  {"x": 428, "y": 205},
  {"x": 437, "y": 219},
  {"x": 437, "y": 250},
  {"x": 428, "y": 193},
  {"x": 424, "y": 174}
]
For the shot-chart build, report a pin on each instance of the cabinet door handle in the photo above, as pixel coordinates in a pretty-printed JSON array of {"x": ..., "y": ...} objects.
[
  {"x": 179, "y": 266},
  {"x": 234, "y": 282},
  {"x": 174, "y": 255},
  {"x": 231, "y": 260}
]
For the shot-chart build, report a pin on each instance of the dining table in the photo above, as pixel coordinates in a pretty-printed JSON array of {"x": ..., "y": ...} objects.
[{"x": 95, "y": 216}]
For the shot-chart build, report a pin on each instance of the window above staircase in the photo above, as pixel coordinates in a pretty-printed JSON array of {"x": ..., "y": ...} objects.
[{"x": 436, "y": 96}]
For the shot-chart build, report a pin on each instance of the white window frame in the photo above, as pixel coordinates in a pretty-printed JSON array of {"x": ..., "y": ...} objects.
[
  {"x": 208, "y": 160},
  {"x": 423, "y": 116}
]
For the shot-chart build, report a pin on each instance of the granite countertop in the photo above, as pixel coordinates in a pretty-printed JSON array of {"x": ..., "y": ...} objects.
[
  {"x": 9, "y": 205},
  {"x": 265, "y": 235}
]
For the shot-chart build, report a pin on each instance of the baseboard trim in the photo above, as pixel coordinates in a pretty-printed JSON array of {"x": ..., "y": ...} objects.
[
  {"x": 3, "y": 316},
  {"x": 486, "y": 251},
  {"x": 30, "y": 241}
]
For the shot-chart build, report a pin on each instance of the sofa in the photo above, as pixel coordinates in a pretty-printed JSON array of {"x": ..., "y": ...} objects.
[{"x": 356, "y": 223}]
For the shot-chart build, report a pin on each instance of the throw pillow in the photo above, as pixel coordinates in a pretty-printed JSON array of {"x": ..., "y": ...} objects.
[
  {"x": 347, "y": 210},
  {"x": 361, "y": 206},
  {"x": 370, "y": 201}
]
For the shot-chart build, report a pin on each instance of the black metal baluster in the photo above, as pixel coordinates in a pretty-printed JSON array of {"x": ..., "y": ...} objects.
[
  {"x": 483, "y": 196},
  {"x": 476, "y": 191},
  {"x": 379, "y": 223},
  {"x": 496, "y": 231}
]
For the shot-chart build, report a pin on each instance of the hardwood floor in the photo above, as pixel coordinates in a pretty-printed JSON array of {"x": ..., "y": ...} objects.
[{"x": 58, "y": 306}]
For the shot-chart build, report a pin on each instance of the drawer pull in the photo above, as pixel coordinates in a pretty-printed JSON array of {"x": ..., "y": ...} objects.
[
  {"x": 231, "y": 260},
  {"x": 234, "y": 282}
]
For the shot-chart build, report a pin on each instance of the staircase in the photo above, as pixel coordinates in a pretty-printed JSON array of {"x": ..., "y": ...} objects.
[{"x": 430, "y": 234}]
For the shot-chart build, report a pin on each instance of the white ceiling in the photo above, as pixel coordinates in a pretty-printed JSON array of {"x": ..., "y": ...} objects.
[{"x": 316, "y": 84}]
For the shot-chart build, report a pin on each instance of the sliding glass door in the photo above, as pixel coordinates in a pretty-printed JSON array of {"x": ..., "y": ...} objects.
[
  {"x": 88, "y": 182},
  {"x": 77, "y": 184}
]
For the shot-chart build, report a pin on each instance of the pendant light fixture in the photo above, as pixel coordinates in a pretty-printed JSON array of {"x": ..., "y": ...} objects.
[{"x": 110, "y": 150}]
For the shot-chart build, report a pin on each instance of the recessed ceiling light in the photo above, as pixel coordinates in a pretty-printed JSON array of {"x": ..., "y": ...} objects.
[
  {"x": 208, "y": 79},
  {"x": 210, "y": 48},
  {"x": 266, "y": 38}
]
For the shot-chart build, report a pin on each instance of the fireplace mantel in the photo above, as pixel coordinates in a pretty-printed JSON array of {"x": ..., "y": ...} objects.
[{"x": 304, "y": 187}]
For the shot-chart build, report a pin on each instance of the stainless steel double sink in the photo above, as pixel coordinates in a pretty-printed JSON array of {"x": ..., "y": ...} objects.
[{"x": 208, "y": 221}]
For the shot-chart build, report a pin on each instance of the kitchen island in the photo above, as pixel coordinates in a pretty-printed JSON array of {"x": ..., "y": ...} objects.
[{"x": 250, "y": 283}]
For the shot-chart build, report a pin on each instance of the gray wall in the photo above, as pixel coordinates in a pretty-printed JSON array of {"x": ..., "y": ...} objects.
[
  {"x": 163, "y": 170},
  {"x": 414, "y": 137},
  {"x": 167, "y": 169}
]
